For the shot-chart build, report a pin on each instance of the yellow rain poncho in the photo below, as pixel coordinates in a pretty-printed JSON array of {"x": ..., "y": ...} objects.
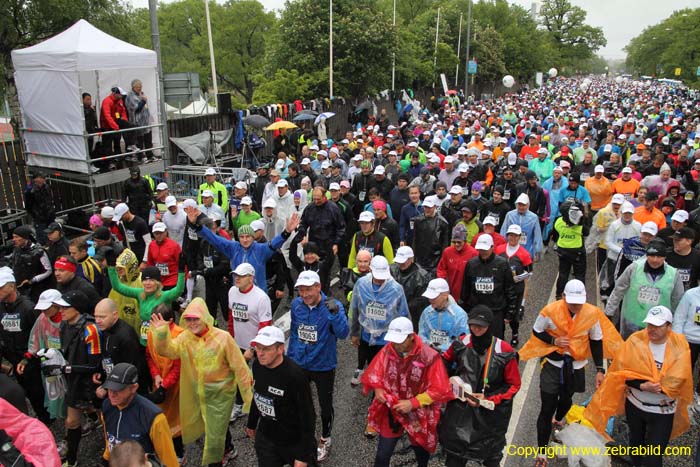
[
  {"x": 128, "y": 307},
  {"x": 211, "y": 366}
]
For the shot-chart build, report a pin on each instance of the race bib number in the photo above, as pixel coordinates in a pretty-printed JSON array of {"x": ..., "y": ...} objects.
[
  {"x": 361, "y": 196},
  {"x": 307, "y": 333},
  {"x": 11, "y": 323},
  {"x": 54, "y": 342},
  {"x": 192, "y": 234},
  {"x": 130, "y": 236},
  {"x": 239, "y": 311},
  {"x": 523, "y": 239},
  {"x": 107, "y": 365},
  {"x": 585, "y": 176},
  {"x": 649, "y": 295},
  {"x": 411, "y": 223},
  {"x": 376, "y": 310},
  {"x": 688, "y": 196},
  {"x": 208, "y": 262},
  {"x": 163, "y": 268},
  {"x": 684, "y": 274},
  {"x": 506, "y": 195},
  {"x": 484, "y": 285},
  {"x": 144, "y": 330},
  {"x": 628, "y": 196},
  {"x": 697, "y": 315},
  {"x": 438, "y": 337},
  {"x": 367, "y": 248},
  {"x": 265, "y": 405},
  {"x": 528, "y": 157}
]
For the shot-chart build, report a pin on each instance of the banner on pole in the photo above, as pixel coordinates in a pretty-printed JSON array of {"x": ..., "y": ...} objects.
[
  {"x": 444, "y": 82},
  {"x": 538, "y": 78}
]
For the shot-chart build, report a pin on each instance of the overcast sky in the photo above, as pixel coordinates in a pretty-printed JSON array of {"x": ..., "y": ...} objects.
[{"x": 621, "y": 20}]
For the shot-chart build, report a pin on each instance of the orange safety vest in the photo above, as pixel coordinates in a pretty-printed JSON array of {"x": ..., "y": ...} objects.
[
  {"x": 576, "y": 330},
  {"x": 635, "y": 361}
]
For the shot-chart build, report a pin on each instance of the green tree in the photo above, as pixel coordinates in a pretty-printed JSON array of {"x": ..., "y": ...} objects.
[{"x": 569, "y": 34}]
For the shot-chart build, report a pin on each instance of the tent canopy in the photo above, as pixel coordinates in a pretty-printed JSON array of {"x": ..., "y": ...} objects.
[{"x": 82, "y": 47}]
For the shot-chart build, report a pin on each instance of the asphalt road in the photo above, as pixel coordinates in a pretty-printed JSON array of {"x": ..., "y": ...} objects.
[{"x": 351, "y": 448}]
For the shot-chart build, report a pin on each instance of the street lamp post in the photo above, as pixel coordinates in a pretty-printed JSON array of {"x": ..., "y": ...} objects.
[{"x": 469, "y": 33}]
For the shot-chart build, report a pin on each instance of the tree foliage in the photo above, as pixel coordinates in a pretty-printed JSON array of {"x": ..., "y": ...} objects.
[
  {"x": 672, "y": 43},
  {"x": 573, "y": 39}
]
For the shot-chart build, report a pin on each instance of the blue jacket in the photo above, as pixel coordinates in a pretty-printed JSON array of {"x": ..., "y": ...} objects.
[
  {"x": 408, "y": 212},
  {"x": 313, "y": 334},
  {"x": 439, "y": 328},
  {"x": 257, "y": 254},
  {"x": 530, "y": 225},
  {"x": 685, "y": 314},
  {"x": 374, "y": 307}
]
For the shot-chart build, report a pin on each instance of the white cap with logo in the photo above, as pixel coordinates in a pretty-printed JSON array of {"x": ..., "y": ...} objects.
[
  {"x": 650, "y": 228},
  {"x": 244, "y": 269},
  {"x": 307, "y": 279},
  {"x": 618, "y": 198},
  {"x": 435, "y": 288},
  {"x": 159, "y": 227},
  {"x": 47, "y": 298},
  {"x": 484, "y": 242},
  {"x": 575, "y": 292},
  {"x": 269, "y": 335},
  {"x": 399, "y": 329},
  {"x": 366, "y": 216},
  {"x": 403, "y": 254},
  {"x": 658, "y": 316},
  {"x": 380, "y": 268},
  {"x": 119, "y": 211}
]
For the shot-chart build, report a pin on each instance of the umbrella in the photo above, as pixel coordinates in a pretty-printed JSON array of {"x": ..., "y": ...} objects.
[
  {"x": 256, "y": 121},
  {"x": 325, "y": 115},
  {"x": 366, "y": 105},
  {"x": 281, "y": 124},
  {"x": 303, "y": 116},
  {"x": 308, "y": 111}
]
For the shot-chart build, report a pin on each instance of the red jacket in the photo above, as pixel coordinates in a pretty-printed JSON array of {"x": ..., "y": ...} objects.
[
  {"x": 111, "y": 110},
  {"x": 451, "y": 267},
  {"x": 166, "y": 258}
]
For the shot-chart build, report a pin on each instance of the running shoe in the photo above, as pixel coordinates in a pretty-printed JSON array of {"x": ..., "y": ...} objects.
[
  {"x": 541, "y": 462},
  {"x": 370, "y": 432},
  {"x": 229, "y": 455},
  {"x": 324, "y": 449},
  {"x": 355, "y": 381},
  {"x": 236, "y": 413}
]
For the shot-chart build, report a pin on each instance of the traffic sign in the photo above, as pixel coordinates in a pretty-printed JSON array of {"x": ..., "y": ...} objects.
[
  {"x": 677, "y": 72},
  {"x": 471, "y": 68}
]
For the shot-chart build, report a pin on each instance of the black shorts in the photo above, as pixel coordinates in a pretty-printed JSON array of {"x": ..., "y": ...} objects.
[{"x": 551, "y": 380}]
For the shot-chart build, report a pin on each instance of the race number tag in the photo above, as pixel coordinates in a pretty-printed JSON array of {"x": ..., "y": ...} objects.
[
  {"x": 307, "y": 333},
  {"x": 697, "y": 316},
  {"x": 376, "y": 310},
  {"x": 484, "y": 285},
  {"x": 107, "y": 365},
  {"x": 411, "y": 223},
  {"x": 585, "y": 176},
  {"x": 144, "y": 330},
  {"x": 523, "y": 239},
  {"x": 439, "y": 337},
  {"x": 192, "y": 234},
  {"x": 506, "y": 195},
  {"x": 685, "y": 274},
  {"x": 11, "y": 323},
  {"x": 649, "y": 295},
  {"x": 265, "y": 405},
  {"x": 208, "y": 262},
  {"x": 362, "y": 194},
  {"x": 163, "y": 268},
  {"x": 239, "y": 311},
  {"x": 130, "y": 236},
  {"x": 628, "y": 196},
  {"x": 688, "y": 196}
]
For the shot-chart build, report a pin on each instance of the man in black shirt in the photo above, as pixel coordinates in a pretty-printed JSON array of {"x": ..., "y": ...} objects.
[
  {"x": 282, "y": 420},
  {"x": 134, "y": 229},
  {"x": 685, "y": 258}
]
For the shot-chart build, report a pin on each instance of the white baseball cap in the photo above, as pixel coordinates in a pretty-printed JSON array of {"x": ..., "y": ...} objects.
[
  {"x": 307, "y": 278},
  {"x": 599, "y": 169},
  {"x": 207, "y": 194},
  {"x": 429, "y": 202},
  {"x": 279, "y": 165},
  {"x": 575, "y": 292},
  {"x": 650, "y": 228},
  {"x": 107, "y": 212},
  {"x": 282, "y": 183},
  {"x": 435, "y": 288},
  {"x": 269, "y": 335},
  {"x": 189, "y": 203},
  {"x": 170, "y": 201},
  {"x": 322, "y": 152},
  {"x": 379, "y": 170},
  {"x": 456, "y": 190},
  {"x": 246, "y": 200},
  {"x": 159, "y": 227},
  {"x": 399, "y": 329},
  {"x": 313, "y": 147},
  {"x": 449, "y": 160},
  {"x": 484, "y": 242},
  {"x": 334, "y": 186},
  {"x": 523, "y": 199},
  {"x": 6, "y": 276},
  {"x": 119, "y": 211},
  {"x": 47, "y": 298},
  {"x": 627, "y": 207},
  {"x": 490, "y": 220},
  {"x": 463, "y": 168},
  {"x": 658, "y": 316},
  {"x": 514, "y": 229},
  {"x": 403, "y": 254},
  {"x": 241, "y": 185},
  {"x": 269, "y": 203},
  {"x": 380, "y": 268},
  {"x": 680, "y": 216},
  {"x": 627, "y": 170},
  {"x": 366, "y": 216},
  {"x": 257, "y": 224},
  {"x": 542, "y": 151},
  {"x": 162, "y": 186},
  {"x": 306, "y": 161},
  {"x": 618, "y": 198},
  {"x": 210, "y": 171},
  {"x": 244, "y": 269}
]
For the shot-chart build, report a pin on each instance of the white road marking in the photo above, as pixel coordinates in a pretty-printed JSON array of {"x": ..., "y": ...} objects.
[{"x": 522, "y": 395}]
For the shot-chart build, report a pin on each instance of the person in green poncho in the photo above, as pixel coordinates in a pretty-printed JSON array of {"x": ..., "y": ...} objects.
[{"x": 150, "y": 295}]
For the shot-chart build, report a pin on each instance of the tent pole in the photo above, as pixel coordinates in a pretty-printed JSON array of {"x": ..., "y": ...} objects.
[{"x": 155, "y": 40}]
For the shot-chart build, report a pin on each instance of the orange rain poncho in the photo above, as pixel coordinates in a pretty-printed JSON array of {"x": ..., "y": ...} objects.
[
  {"x": 165, "y": 367},
  {"x": 211, "y": 366},
  {"x": 576, "y": 330},
  {"x": 635, "y": 361}
]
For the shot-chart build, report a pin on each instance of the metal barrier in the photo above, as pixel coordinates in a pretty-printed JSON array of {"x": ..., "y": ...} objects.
[{"x": 184, "y": 180}]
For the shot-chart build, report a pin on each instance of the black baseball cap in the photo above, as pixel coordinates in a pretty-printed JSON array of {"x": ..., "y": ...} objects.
[
  {"x": 73, "y": 298},
  {"x": 122, "y": 375},
  {"x": 657, "y": 247},
  {"x": 481, "y": 315},
  {"x": 151, "y": 272},
  {"x": 684, "y": 232},
  {"x": 651, "y": 196},
  {"x": 54, "y": 226}
]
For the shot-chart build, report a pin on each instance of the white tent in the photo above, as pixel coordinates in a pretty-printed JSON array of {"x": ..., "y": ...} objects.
[
  {"x": 51, "y": 77},
  {"x": 198, "y": 107}
]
